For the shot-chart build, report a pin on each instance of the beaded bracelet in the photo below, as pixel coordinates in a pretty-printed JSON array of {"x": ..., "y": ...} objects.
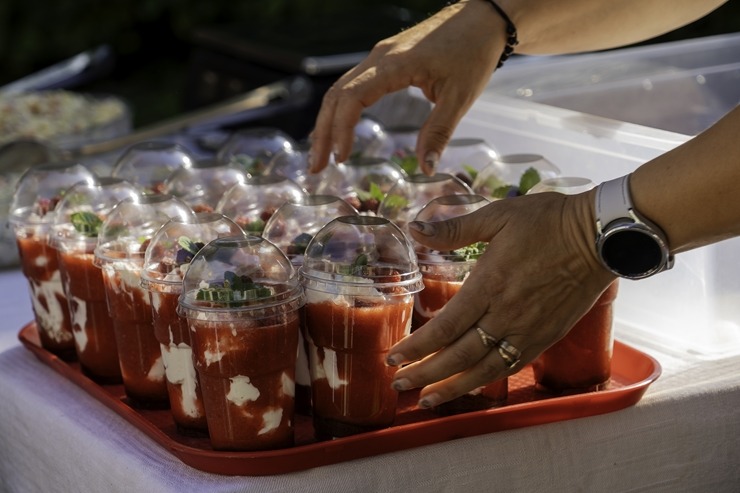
[{"x": 511, "y": 36}]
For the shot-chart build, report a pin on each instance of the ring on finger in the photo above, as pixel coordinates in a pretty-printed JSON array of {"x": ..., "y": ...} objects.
[
  {"x": 486, "y": 339},
  {"x": 509, "y": 353}
]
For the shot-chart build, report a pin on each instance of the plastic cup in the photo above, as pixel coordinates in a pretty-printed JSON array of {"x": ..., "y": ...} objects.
[
  {"x": 32, "y": 214},
  {"x": 513, "y": 174},
  {"x": 465, "y": 157},
  {"x": 444, "y": 273},
  {"x": 291, "y": 228},
  {"x": 371, "y": 139},
  {"x": 581, "y": 360},
  {"x": 203, "y": 184},
  {"x": 364, "y": 182},
  {"x": 403, "y": 138},
  {"x": 166, "y": 260},
  {"x": 241, "y": 297},
  {"x": 122, "y": 242},
  {"x": 251, "y": 203},
  {"x": 359, "y": 275},
  {"x": 292, "y": 163},
  {"x": 405, "y": 199},
  {"x": 252, "y": 149},
  {"x": 148, "y": 164},
  {"x": 78, "y": 218}
]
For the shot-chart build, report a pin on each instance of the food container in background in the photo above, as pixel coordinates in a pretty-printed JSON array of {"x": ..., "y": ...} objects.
[
  {"x": 292, "y": 163},
  {"x": 203, "y": 184},
  {"x": 406, "y": 198},
  {"x": 465, "y": 157},
  {"x": 364, "y": 182},
  {"x": 252, "y": 202},
  {"x": 581, "y": 360},
  {"x": 511, "y": 175},
  {"x": 241, "y": 297},
  {"x": 359, "y": 275},
  {"x": 149, "y": 163},
  {"x": 443, "y": 274},
  {"x": 32, "y": 211},
  {"x": 77, "y": 221},
  {"x": 252, "y": 149},
  {"x": 371, "y": 139},
  {"x": 403, "y": 138},
  {"x": 166, "y": 261},
  {"x": 122, "y": 242},
  {"x": 291, "y": 228}
]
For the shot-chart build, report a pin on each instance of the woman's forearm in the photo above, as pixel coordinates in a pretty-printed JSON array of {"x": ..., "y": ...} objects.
[
  {"x": 693, "y": 191},
  {"x": 571, "y": 26}
]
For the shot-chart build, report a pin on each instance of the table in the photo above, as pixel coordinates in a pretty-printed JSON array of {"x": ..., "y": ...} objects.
[{"x": 682, "y": 436}]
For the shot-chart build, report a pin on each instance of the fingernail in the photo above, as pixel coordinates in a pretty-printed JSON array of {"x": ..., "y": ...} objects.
[
  {"x": 394, "y": 360},
  {"x": 401, "y": 384},
  {"x": 431, "y": 159},
  {"x": 335, "y": 153},
  {"x": 424, "y": 228},
  {"x": 429, "y": 401}
]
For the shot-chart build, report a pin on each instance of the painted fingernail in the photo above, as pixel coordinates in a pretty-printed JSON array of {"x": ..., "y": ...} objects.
[
  {"x": 429, "y": 401},
  {"x": 424, "y": 228},
  {"x": 401, "y": 384},
  {"x": 431, "y": 159},
  {"x": 394, "y": 360}
]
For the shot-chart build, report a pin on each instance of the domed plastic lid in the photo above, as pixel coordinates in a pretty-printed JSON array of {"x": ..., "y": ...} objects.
[
  {"x": 85, "y": 206},
  {"x": 447, "y": 207},
  {"x": 203, "y": 184},
  {"x": 251, "y": 203},
  {"x": 240, "y": 274},
  {"x": 465, "y": 157},
  {"x": 40, "y": 189},
  {"x": 148, "y": 164},
  {"x": 405, "y": 199},
  {"x": 292, "y": 163},
  {"x": 129, "y": 227},
  {"x": 365, "y": 182},
  {"x": 296, "y": 222},
  {"x": 174, "y": 245},
  {"x": 371, "y": 139},
  {"x": 513, "y": 174},
  {"x": 567, "y": 185},
  {"x": 355, "y": 251},
  {"x": 252, "y": 149}
]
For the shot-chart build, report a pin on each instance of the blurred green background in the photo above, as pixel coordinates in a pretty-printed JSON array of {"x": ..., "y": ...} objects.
[{"x": 154, "y": 39}]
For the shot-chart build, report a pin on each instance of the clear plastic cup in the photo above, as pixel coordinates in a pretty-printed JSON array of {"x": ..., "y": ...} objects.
[
  {"x": 291, "y": 228},
  {"x": 364, "y": 182},
  {"x": 465, "y": 157},
  {"x": 252, "y": 149},
  {"x": 444, "y": 273},
  {"x": 122, "y": 242},
  {"x": 166, "y": 261},
  {"x": 371, "y": 139},
  {"x": 513, "y": 174},
  {"x": 242, "y": 297},
  {"x": 406, "y": 198},
  {"x": 32, "y": 214},
  {"x": 581, "y": 360},
  {"x": 203, "y": 184},
  {"x": 292, "y": 163},
  {"x": 78, "y": 218},
  {"x": 251, "y": 203},
  {"x": 148, "y": 164},
  {"x": 359, "y": 275}
]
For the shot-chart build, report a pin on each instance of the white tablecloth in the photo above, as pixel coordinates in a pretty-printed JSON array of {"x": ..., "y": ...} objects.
[{"x": 684, "y": 435}]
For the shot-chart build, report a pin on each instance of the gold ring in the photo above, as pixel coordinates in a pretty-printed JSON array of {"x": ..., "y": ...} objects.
[
  {"x": 510, "y": 354},
  {"x": 488, "y": 340}
]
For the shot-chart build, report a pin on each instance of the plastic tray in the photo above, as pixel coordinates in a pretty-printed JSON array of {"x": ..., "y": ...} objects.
[{"x": 632, "y": 373}]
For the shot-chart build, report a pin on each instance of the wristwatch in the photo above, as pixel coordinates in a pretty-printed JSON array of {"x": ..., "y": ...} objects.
[{"x": 627, "y": 243}]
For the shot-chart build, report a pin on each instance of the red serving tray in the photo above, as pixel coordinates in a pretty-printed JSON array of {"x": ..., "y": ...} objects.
[{"x": 632, "y": 373}]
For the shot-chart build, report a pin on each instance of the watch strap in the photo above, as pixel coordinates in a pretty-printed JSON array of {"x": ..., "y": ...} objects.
[{"x": 613, "y": 201}]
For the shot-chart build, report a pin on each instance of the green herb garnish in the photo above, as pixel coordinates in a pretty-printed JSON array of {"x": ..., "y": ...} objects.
[
  {"x": 355, "y": 268},
  {"x": 470, "y": 171},
  {"x": 189, "y": 249},
  {"x": 374, "y": 193},
  {"x": 406, "y": 162},
  {"x": 470, "y": 252},
  {"x": 234, "y": 289},
  {"x": 529, "y": 179},
  {"x": 86, "y": 223}
]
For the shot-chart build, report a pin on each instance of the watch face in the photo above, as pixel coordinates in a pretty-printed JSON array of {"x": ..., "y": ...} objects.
[{"x": 633, "y": 253}]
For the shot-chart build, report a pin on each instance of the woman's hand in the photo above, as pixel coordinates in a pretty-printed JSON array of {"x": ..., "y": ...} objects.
[
  {"x": 449, "y": 56},
  {"x": 537, "y": 277}
]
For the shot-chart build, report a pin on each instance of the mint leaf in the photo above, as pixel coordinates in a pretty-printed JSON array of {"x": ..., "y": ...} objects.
[
  {"x": 529, "y": 179},
  {"x": 470, "y": 252},
  {"x": 86, "y": 223},
  {"x": 470, "y": 171}
]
